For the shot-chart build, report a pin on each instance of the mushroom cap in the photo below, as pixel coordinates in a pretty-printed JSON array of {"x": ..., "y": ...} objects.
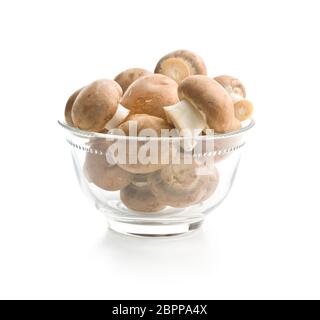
[
  {"x": 177, "y": 198},
  {"x": 180, "y": 185},
  {"x": 140, "y": 168},
  {"x": 68, "y": 108},
  {"x": 212, "y": 99},
  {"x": 96, "y": 104},
  {"x": 180, "y": 176},
  {"x": 140, "y": 199},
  {"x": 232, "y": 85},
  {"x": 180, "y": 64},
  {"x": 144, "y": 121},
  {"x": 100, "y": 172},
  {"x": 148, "y": 94},
  {"x": 126, "y": 77}
]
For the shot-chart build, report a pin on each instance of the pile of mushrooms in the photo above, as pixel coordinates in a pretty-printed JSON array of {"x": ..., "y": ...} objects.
[{"x": 178, "y": 95}]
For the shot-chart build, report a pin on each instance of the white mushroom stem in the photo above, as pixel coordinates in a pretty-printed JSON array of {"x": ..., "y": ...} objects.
[
  {"x": 186, "y": 117},
  {"x": 189, "y": 120},
  {"x": 118, "y": 117}
]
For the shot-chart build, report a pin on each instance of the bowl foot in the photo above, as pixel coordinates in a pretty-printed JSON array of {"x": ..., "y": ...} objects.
[{"x": 148, "y": 229}]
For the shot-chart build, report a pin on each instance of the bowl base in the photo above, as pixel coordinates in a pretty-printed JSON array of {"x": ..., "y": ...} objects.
[{"x": 139, "y": 229}]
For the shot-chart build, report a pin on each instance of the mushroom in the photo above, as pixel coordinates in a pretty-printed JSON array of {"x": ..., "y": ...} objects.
[
  {"x": 68, "y": 108},
  {"x": 125, "y": 78},
  {"x": 243, "y": 108},
  {"x": 181, "y": 185},
  {"x": 181, "y": 64},
  {"x": 97, "y": 107},
  {"x": 203, "y": 104},
  {"x": 144, "y": 125},
  {"x": 140, "y": 199},
  {"x": 100, "y": 172},
  {"x": 148, "y": 94}
]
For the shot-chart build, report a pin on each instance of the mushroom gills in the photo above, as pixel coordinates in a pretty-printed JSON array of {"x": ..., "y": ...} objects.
[
  {"x": 243, "y": 108},
  {"x": 186, "y": 117},
  {"x": 117, "y": 118},
  {"x": 175, "y": 68}
]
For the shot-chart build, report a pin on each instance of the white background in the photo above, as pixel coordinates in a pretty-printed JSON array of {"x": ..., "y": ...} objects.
[{"x": 262, "y": 242}]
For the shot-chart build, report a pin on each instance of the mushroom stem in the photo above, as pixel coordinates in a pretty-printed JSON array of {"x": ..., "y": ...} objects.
[
  {"x": 185, "y": 117},
  {"x": 243, "y": 109},
  {"x": 117, "y": 118}
]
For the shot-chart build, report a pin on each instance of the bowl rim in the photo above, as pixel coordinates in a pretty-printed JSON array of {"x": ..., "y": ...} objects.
[{"x": 246, "y": 126}]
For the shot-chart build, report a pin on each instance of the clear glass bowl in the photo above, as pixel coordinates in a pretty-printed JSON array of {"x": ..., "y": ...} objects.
[{"x": 169, "y": 195}]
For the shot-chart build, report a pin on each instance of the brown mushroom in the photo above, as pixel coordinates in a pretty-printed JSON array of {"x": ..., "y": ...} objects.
[
  {"x": 102, "y": 173},
  {"x": 125, "y": 78},
  {"x": 143, "y": 125},
  {"x": 181, "y": 64},
  {"x": 68, "y": 108},
  {"x": 204, "y": 103},
  {"x": 97, "y": 107},
  {"x": 140, "y": 199},
  {"x": 145, "y": 121},
  {"x": 148, "y": 94},
  {"x": 182, "y": 185},
  {"x": 243, "y": 108}
]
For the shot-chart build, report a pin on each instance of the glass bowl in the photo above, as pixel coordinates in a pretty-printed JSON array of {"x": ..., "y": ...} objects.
[{"x": 167, "y": 191}]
